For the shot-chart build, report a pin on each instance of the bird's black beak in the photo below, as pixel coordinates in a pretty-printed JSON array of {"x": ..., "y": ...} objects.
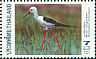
[{"x": 26, "y": 14}]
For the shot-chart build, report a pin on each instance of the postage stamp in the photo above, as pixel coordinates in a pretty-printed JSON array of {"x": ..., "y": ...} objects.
[{"x": 48, "y": 28}]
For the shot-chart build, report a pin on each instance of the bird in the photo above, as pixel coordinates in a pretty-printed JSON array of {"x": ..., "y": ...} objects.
[{"x": 46, "y": 23}]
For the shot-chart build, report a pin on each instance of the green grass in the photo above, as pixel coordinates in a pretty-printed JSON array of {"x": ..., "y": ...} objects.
[{"x": 29, "y": 35}]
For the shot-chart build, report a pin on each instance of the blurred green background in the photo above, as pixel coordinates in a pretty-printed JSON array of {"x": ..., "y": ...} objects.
[{"x": 29, "y": 35}]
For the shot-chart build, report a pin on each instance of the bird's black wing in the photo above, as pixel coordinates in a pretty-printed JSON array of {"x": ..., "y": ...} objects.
[{"x": 49, "y": 20}]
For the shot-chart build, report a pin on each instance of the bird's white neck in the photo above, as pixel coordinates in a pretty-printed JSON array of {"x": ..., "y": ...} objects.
[{"x": 35, "y": 14}]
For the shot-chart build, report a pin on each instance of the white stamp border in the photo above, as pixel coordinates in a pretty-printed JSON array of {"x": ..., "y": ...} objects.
[{"x": 92, "y": 4}]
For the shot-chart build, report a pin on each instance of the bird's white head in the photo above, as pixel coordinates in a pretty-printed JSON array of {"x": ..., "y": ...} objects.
[{"x": 33, "y": 9}]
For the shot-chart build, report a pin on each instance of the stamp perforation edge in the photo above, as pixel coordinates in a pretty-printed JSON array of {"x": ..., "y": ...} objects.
[
  {"x": 46, "y": 0},
  {"x": 0, "y": 29},
  {"x": 95, "y": 28}
]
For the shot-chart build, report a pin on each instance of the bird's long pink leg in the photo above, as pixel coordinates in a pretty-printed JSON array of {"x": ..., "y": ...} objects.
[
  {"x": 56, "y": 41},
  {"x": 43, "y": 42}
]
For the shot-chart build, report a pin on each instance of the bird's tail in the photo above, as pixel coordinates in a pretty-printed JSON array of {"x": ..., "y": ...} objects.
[{"x": 63, "y": 25}]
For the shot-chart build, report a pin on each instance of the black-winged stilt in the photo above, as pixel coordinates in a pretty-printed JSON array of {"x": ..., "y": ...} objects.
[{"x": 46, "y": 23}]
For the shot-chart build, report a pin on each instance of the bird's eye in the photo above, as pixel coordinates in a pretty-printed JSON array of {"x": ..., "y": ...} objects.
[{"x": 31, "y": 9}]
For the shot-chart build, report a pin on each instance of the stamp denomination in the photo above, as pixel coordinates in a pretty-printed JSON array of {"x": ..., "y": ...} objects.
[{"x": 48, "y": 28}]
